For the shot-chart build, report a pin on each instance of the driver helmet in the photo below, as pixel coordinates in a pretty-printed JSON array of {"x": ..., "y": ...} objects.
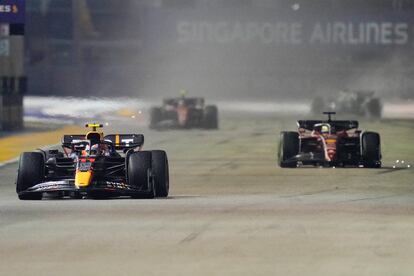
[
  {"x": 100, "y": 149},
  {"x": 95, "y": 149},
  {"x": 325, "y": 129}
]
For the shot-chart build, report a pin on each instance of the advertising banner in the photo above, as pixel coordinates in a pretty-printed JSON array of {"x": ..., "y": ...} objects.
[
  {"x": 271, "y": 29},
  {"x": 12, "y": 11}
]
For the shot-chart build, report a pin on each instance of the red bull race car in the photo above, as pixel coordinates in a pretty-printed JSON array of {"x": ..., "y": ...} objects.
[
  {"x": 184, "y": 113},
  {"x": 329, "y": 143},
  {"x": 94, "y": 166}
]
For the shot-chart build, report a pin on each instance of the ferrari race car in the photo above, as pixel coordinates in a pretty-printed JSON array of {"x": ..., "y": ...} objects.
[
  {"x": 184, "y": 112},
  {"x": 360, "y": 103},
  {"x": 94, "y": 166},
  {"x": 329, "y": 143}
]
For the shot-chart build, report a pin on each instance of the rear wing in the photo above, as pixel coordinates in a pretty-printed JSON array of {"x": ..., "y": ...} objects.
[
  {"x": 337, "y": 125},
  {"x": 68, "y": 140},
  {"x": 187, "y": 101},
  {"x": 120, "y": 141},
  {"x": 125, "y": 141}
]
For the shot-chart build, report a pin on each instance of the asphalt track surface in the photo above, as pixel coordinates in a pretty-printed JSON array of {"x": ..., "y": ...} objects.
[{"x": 232, "y": 211}]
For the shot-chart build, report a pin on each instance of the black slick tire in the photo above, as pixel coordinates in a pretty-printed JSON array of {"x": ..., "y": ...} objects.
[
  {"x": 139, "y": 173},
  {"x": 160, "y": 173},
  {"x": 371, "y": 150},
  {"x": 288, "y": 148},
  {"x": 30, "y": 173}
]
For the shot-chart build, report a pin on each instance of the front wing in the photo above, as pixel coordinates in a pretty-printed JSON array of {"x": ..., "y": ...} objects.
[
  {"x": 68, "y": 186},
  {"x": 320, "y": 159}
]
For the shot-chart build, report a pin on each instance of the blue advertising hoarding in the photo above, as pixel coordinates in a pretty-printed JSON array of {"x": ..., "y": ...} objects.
[{"x": 12, "y": 11}]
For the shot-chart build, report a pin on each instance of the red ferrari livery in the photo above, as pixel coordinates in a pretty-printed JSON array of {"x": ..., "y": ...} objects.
[{"x": 329, "y": 143}]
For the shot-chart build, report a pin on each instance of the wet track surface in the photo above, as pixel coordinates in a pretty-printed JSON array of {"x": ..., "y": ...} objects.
[{"x": 232, "y": 211}]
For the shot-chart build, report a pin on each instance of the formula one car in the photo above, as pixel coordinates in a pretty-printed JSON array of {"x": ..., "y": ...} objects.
[
  {"x": 360, "y": 103},
  {"x": 329, "y": 143},
  {"x": 94, "y": 166},
  {"x": 184, "y": 112}
]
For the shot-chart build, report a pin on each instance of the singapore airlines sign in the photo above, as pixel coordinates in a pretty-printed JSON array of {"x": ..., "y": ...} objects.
[{"x": 294, "y": 33}]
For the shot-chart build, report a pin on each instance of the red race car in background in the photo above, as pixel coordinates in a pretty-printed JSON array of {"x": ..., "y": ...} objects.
[
  {"x": 183, "y": 112},
  {"x": 329, "y": 143}
]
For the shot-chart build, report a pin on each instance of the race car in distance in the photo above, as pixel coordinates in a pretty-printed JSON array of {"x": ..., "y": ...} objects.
[
  {"x": 360, "y": 103},
  {"x": 183, "y": 112},
  {"x": 329, "y": 143},
  {"x": 94, "y": 166}
]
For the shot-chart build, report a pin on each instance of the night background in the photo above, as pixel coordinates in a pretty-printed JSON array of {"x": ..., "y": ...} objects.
[{"x": 253, "y": 48}]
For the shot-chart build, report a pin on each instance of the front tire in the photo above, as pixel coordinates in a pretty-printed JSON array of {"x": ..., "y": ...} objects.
[
  {"x": 30, "y": 173},
  {"x": 160, "y": 172},
  {"x": 371, "y": 150},
  {"x": 288, "y": 148},
  {"x": 138, "y": 172}
]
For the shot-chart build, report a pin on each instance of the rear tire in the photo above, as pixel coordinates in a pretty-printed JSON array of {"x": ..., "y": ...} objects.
[
  {"x": 138, "y": 172},
  {"x": 211, "y": 117},
  {"x": 288, "y": 148},
  {"x": 160, "y": 172},
  {"x": 30, "y": 173},
  {"x": 371, "y": 150}
]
